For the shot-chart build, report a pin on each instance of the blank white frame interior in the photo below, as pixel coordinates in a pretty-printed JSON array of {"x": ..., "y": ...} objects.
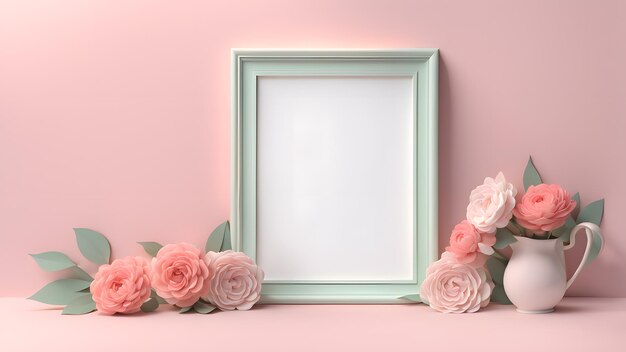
[{"x": 335, "y": 178}]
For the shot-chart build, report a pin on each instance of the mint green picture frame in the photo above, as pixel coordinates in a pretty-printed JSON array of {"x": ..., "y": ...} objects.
[{"x": 421, "y": 64}]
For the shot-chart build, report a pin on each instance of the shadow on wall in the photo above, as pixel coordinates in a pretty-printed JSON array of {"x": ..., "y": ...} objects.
[{"x": 445, "y": 153}]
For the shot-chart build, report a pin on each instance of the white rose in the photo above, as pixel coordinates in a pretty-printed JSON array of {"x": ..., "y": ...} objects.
[
  {"x": 453, "y": 287},
  {"x": 235, "y": 281},
  {"x": 491, "y": 204}
]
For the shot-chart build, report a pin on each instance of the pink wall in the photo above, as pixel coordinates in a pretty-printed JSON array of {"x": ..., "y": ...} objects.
[{"x": 114, "y": 115}]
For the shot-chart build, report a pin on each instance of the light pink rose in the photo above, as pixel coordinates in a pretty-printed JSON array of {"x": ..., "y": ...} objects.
[
  {"x": 469, "y": 246},
  {"x": 121, "y": 287},
  {"x": 491, "y": 204},
  {"x": 235, "y": 280},
  {"x": 453, "y": 287},
  {"x": 179, "y": 274},
  {"x": 544, "y": 208}
]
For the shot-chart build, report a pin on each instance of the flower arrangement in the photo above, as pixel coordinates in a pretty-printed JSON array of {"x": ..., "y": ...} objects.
[
  {"x": 470, "y": 271},
  {"x": 179, "y": 274}
]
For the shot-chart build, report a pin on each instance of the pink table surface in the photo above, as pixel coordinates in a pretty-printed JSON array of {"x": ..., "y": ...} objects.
[{"x": 579, "y": 324}]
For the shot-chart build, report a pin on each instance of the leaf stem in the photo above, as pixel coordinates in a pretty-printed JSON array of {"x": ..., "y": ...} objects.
[{"x": 511, "y": 226}]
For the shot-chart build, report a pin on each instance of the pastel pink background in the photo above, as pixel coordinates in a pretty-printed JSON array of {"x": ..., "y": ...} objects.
[{"x": 115, "y": 115}]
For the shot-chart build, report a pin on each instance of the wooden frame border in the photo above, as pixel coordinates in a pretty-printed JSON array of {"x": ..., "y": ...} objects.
[{"x": 424, "y": 68}]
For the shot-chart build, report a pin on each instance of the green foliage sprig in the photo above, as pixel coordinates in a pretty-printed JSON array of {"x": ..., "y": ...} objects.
[{"x": 74, "y": 293}]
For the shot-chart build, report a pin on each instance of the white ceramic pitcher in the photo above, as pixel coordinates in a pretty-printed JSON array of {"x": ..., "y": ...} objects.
[{"x": 535, "y": 279}]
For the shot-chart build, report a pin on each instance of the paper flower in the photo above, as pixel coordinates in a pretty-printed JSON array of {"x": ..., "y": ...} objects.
[
  {"x": 235, "y": 281},
  {"x": 453, "y": 287},
  {"x": 491, "y": 204},
  {"x": 121, "y": 287},
  {"x": 469, "y": 246},
  {"x": 544, "y": 208},
  {"x": 179, "y": 274}
]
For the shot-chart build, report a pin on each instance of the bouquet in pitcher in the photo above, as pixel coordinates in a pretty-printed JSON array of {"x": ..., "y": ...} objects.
[{"x": 538, "y": 225}]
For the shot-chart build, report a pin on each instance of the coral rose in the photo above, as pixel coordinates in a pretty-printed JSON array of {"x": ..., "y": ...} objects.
[
  {"x": 452, "y": 287},
  {"x": 235, "y": 280},
  {"x": 179, "y": 274},
  {"x": 544, "y": 208},
  {"x": 469, "y": 246},
  {"x": 121, "y": 287},
  {"x": 491, "y": 204}
]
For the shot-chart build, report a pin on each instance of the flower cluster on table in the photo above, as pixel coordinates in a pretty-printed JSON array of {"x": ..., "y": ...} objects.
[
  {"x": 179, "y": 274},
  {"x": 469, "y": 273}
]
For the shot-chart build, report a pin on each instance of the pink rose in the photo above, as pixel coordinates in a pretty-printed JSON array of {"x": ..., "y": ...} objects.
[
  {"x": 544, "y": 208},
  {"x": 179, "y": 274},
  {"x": 491, "y": 204},
  {"x": 121, "y": 287},
  {"x": 469, "y": 246},
  {"x": 235, "y": 280},
  {"x": 452, "y": 287}
]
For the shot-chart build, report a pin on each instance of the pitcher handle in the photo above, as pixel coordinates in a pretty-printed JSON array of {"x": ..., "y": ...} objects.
[{"x": 590, "y": 228}]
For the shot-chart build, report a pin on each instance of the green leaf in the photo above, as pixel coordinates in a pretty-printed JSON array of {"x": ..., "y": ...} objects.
[
  {"x": 150, "y": 305},
  {"x": 499, "y": 295},
  {"x": 53, "y": 261},
  {"x": 203, "y": 307},
  {"x": 531, "y": 176},
  {"x": 158, "y": 298},
  {"x": 81, "y": 274},
  {"x": 227, "y": 244},
  {"x": 563, "y": 232},
  {"x": 592, "y": 213},
  {"x": 216, "y": 239},
  {"x": 93, "y": 245},
  {"x": 185, "y": 309},
  {"x": 504, "y": 237},
  {"x": 61, "y": 291},
  {"x": 413, "y": 298},
  {"x": 81, "y": 305},
  {"x": 496, "y": 269},
  {"x": 597, "y": 243},
  {"x": 576, "y": 198},
  {"x": 151, "y": 248}
]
